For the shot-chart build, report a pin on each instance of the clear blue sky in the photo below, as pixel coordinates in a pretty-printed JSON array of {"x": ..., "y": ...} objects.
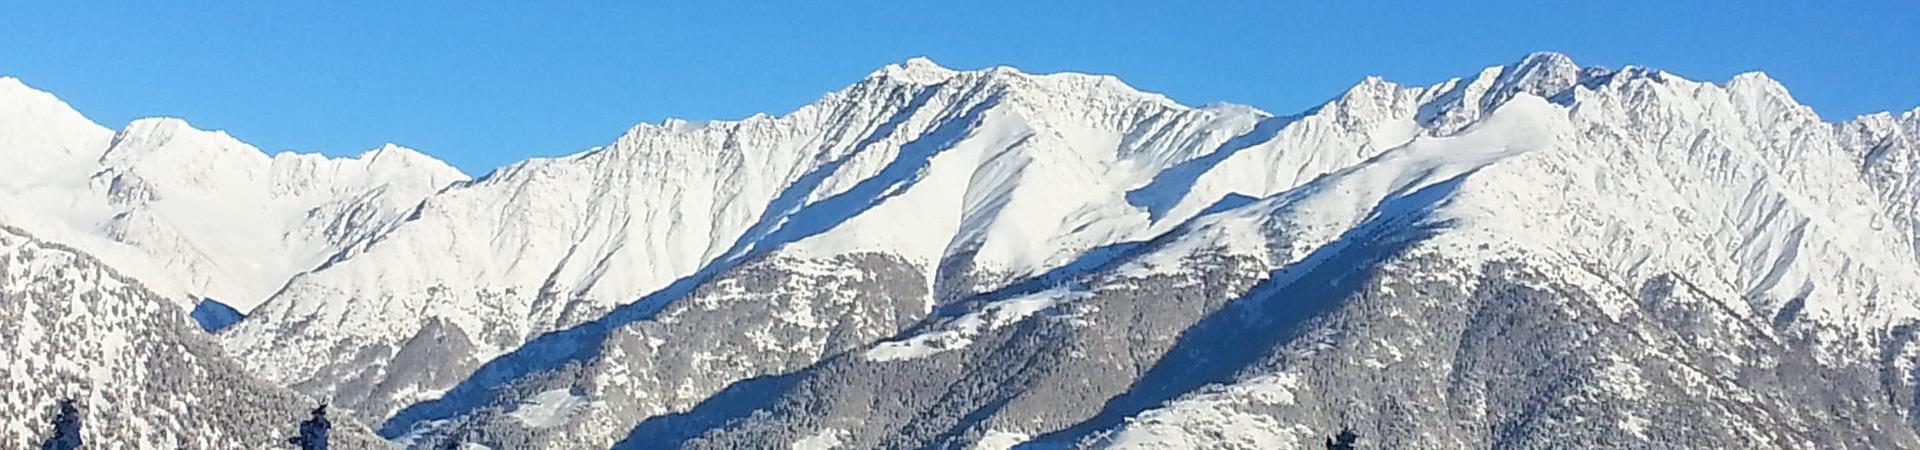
[{"x": 482, "y": 84}]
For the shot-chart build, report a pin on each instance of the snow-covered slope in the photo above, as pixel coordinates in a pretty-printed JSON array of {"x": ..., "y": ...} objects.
[
  {"x": 973, "y": 178},
  {"x": 203, "y": 201},
  {"x": 1539, "y": 254},
  {"x": 1888, "y": 147},
  {"x": 198, "y": 213},
  {"x": 990, "y": 185},
  {"x": 1591, "y": 258},
  {"x": 144, "y": 376},
  {"x": 44, "y": 137}
]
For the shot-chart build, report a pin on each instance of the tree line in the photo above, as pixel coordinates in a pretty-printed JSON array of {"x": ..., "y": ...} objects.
[{"x": 311, "y": 434}]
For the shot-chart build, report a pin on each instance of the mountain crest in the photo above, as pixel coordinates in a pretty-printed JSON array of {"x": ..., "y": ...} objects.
[
  {"x": 20, "y": 102},
  {"x": 154, "y": 133},
  {"x": 1050, "y": 257},
  {"x": 916, "y": 70}
]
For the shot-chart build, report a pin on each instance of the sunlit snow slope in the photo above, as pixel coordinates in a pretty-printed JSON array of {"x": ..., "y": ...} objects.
[
  {"x": 1539, "y": 254},
  {"x": 199, "y": 213}
]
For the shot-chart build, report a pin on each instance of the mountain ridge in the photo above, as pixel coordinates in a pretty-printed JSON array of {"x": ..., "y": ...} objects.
[
  {"x": 177, "y": 197},
  {"x": 927, "y": 220}
]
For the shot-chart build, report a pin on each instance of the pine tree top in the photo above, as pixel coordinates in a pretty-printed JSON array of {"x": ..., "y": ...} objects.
[{"x": 1343, "y": 441}]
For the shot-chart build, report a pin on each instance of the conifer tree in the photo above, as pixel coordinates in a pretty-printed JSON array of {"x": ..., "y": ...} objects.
[
  {"x": 1343, "y": 441},
  {"x": 313, "y": 431},
  {"x": 66, "y": 428}
]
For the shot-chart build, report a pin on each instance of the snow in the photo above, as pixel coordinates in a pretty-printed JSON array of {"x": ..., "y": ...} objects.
[
  {"x": 999, "y": 440},
  {"x": 1571, "y": 182},
  {"x": 550, "y": 409},
  {"x": 76, "y": 328},
  {"x": 986, "y": 169},
  {"x": 420, "y": 431},
  {"x": 918, "y": 70},
  {"x": 1212, "y": 419},
  {"x": 981, "y": 178},
  {"x": 194, "y": 213},
  {"x": 42, "y": 138},
  {"x": 958, "y": 332},
  {"x": 825, "y": 439},
  {"x": 210, "y": 199}
]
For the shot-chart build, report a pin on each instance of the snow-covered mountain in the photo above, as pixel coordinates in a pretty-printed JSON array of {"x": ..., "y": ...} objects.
[
  {"x": 1537, "y": 255},
  {"x": 1624, "y": 260},
  {"x": 143, "y": 375},
  {"x": 199, "y": 213},
  {"x": 969, "y": 179}
]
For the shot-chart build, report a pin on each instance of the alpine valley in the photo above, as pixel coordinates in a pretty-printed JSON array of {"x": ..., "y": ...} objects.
[{"x": 1536, "y": 255}]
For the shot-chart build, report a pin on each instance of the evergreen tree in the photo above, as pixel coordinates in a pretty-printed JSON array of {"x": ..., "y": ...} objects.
[
  {"x": 313, "y": 431},
  {"x": 66, "y": 428},
  {"x": 1343, "y": 441}
]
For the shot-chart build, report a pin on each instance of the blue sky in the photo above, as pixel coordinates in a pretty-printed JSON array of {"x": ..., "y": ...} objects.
[{"x": 483, "y": 84}]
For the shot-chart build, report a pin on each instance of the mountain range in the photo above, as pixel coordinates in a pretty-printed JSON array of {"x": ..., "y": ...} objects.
[{"x": 1535, "y": 255}]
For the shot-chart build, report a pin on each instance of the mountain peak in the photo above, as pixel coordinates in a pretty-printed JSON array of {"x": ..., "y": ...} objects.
[
  {"x": 391, "y": 149},
  {"x": 1757, "y": 82},
  {"x": 935, "y": 208},
  {"x": 917, "y": 70},
  {"x": 147, "y": 134},
  {"x": 1544, "y": 74},
  {"x": 167, "y": 126},
  {"x": 36, "y": 125},
  {"x": 1372, "y": 85},
  {"x": 406, "y": 158},
  {"x": 13, "y": 84},
  {"x": 12, "y": 87},
  {"x": 19, "y": 101},
  {"x": 158, "y": 124},
  {"x": 1546, "y": 59}
]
